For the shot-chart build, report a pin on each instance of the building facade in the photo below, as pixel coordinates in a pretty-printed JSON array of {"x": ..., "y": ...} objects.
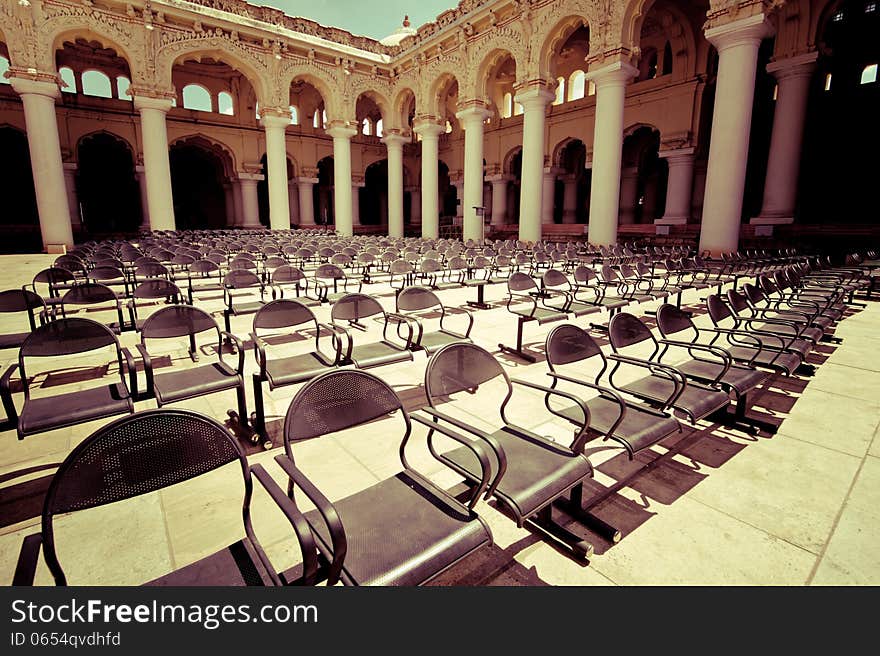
[{"x": 538, "y": 118}]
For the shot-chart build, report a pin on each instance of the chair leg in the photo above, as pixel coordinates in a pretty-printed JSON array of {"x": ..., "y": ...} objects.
[
  {"x": 542, "y": 523},
  {"x": 574, "y": 506},
  {"x": 258, "y": 418},
  {"x": 518, "y": 350}
]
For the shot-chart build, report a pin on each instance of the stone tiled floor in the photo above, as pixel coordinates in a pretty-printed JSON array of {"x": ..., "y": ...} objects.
[{"x": 716, "y": 507}]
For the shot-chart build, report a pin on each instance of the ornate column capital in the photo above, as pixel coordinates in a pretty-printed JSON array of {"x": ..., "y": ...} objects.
[
  {"x": 274, "y": 118},
  {"x": 677, "y": 155},
  {"x": 35, "y": 84},
  {"x": 160, "y": 104},
  {"x": 472, "y": 112},
  {"x": 498, "y": 178},
  {"x": 750, "y": 30},
  {"x": 394, "y": 140},
  {"x": 340, "y": 130},
  {"x": 250, "y": 177},
  {"x": 617, "y": 73},
  {"x": 797, "y": 66},
  {"x": 428, "y": 126},
  {"x": 534, "y": 97}
]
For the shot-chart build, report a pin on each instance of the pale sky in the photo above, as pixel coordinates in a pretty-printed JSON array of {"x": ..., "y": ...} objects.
[{"x": 375, "y": 18}]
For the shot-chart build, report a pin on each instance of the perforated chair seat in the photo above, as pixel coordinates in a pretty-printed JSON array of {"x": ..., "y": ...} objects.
[
  {"x": 822, "y": 321},
  {"x": 74, "y": 408},
  {"x": 196, "y": 381},
  {"x": 437, "y": 339},
  {"x": 534, "y": 475},
  {"x": 639, "y": 429},
  {"x": 294, "y": 369},
  {"x": 420, "y": 535},
  {"x": 246, "y": 308},
  {"x": 785, "y": 361},
  {"x": 377, "y": 354},
  {"x": 808, "y": 332},
  {"x": 236, "y": 565},
  {"x": 541, "y": 315},
  {"x": 579, "y": 309},
  {"x": 741, "y": 379},
  {"x": 696, "y": 401}
]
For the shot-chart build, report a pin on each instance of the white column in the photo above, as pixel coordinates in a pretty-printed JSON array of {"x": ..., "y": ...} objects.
[
  {"x": 430, "y": 131},
  {"x": 250, "y": 204},
  {"x": 342, "y": 135},
  {"x": 72, "y": 199},
  {"x": 610, "y": 84},
  {"x": 569, "y": 199},
  {"x": 548, "y": 194},
  {"x": 239, "y": 203},
  {"x": 499, "y": 198},
  {"x": 356, "y": 186},
  {"x": 306, "y": 200},
  {"x": 156, "y": 165},
  {"x": 38, "y": 98},
  {"x": 471, "y": 119},
  {"x": 679, "y": 186},
  {"x": 737, "y": 45},
  {"x": 394, "y": 143},
  {"x": 275, "y": 125},
  {"x": 229, "y": 200},
  {"x": 534, "y": 102},
  {"x": 629, "y": 186},
  {"x": 141, "y": 175},
  {"x": 293, "y": 201},
  {"x": 780, "y": 188}
]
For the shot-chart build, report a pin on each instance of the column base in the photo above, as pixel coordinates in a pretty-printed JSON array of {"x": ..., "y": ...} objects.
[
  {"x": 771, "y": 220},
  {"x": 56, "y": 249},
  {"x": 671, "y": 220}
]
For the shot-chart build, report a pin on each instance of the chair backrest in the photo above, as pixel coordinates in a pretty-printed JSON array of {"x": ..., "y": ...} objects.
[
  {"x": 241, "y": 279},
  {"x": 90, "y": 293},
  {"x": 354, "y": 307},
  {"x": 177, "y": 321},
  {"x": 136, "y": 455},
  {"x": 329, "y": 272},
  {"x": 737, "y": 302},
  {"x": 626, "y": 329},
  {"x": 520, "y": 282},
  {"x": 335, "y": 401},
  {"x": 460, "y": 366},
  {"x": 718, "y": 310},
  {"x": 584, "y": 274},
  {"x": 204, "y": 267},
  {"x": 67, "y": 336},
  {"x": 672, "y": 320},
  {"x": 283, "y": 313},
  {"x": 568, "y": 343},
  {"x": 413, "y": 299},
  {"x": 401, "y": 267},
  {"x": 156, "y": 288},
  {"x": 287, "y": 273},
  {"x": 555, "y": 279},
  {"x": 20, "y": 300}
]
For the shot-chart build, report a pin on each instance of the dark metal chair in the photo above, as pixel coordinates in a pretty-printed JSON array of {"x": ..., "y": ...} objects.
[
  {"x": 522, "y": 288},
  {"x": 291, "y": 316},
  {"x": 239, "y": 284},
  {"x": 557, "y": 283},
  {"x": 147, "y": 452},
  {"x": 21, "y": 301},
  {"x": 331, "y": 283},
  {"x": 65, "y": 337},
  {"x": 151, "y": 290},
  {"x": 178, "y": 321},
  {"x": 57, "y": 281},
  {"x": 94, "y": 297},
  {"x": 288, "y": 276},
  {"x": 666, "y": 386},
  {"x": 529, "y": 472},
  {"x": 203, "y": 276},
  {"x": 353, "y": 309},
  {"x": 710, "y": 364},
  {"x": 403, "y": 530},
  {"x": 421, "y": 299},
  {"x": 633, "y": 425}
]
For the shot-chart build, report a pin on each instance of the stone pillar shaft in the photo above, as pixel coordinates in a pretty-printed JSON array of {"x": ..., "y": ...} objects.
[
  {"x": 157, "y": 167},
  {"x": 534, "y": 102},
  {"x": 472, "y": 121}
]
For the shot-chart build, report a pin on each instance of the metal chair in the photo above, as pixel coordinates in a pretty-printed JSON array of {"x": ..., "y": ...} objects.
[
  {"x": 521, "y": 288},
  {"x": 420, "y": 299},
  {"x": 66, "y": 337},
  {"x": 403, "y": 530},
  {"x": 21, "y": 301},
  {"x": 529, "y": 473},
  {"x": 291, "y": 316},
  {"x": 353, "y": 309},
  {"x": 147, "y": 452}
]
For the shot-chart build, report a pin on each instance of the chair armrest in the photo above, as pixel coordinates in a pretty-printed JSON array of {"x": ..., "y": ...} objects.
[
  {"x": 259, "y": 352},
  {"x": 148, "y": 366},
  {"x": 335, "y": 334},
  {"x": 599, "y": 388},
  {"x": 717, "y": 351},
  {"x": 478, "y": 451},
  {"x": 460, "y": 309},
  {"x": 297, "y": 521},
  {"x": 6, "y": 395},
  {"x": 419, "y": 332},
  {"x": 132, "y": 371},
  {"x": 656, "y": 368},
  {"x": 400, "y": 319},
  {"x": 238, "y": 345},
  {"x": 325, "y": 509},
  {"x": 549, "y": 391},
  {"x": 28, "y": 557}
]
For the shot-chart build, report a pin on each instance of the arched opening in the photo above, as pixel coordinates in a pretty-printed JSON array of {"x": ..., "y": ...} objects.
[
  {"x": 643, "y": 178},
  {"x": 840, "y": 167},
  {"x": 4, "y": 67},
  {"x": 446, "y": 94},
  {"x": 566, "y": 50},
  {"x": 89, "y": 68},
  {"x": 577, "y": 85},
  {"x": 207, "y": 84},
  {"x": 374, "y": 196},
  {"x": 199, "y": 171},
  {"x": 368, "y": 113},
  {"x": 108, "y": 193},
  {"x": 572, "y": 191},
  {"x": 499, "y": 70},
  {"x": 196, "y": 97},
  {"x": 763, "y": 108},
  {"x": 513, "y": 167},
  {"x": 448, "y": 196},
  {"x": 224, "y": 103},
  {"x": 19, "y": 218},
  {"x": 323, "y": 193}
]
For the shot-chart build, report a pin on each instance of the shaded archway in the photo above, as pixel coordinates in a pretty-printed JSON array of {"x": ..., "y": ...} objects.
[
  {"x": 840, "y": 167},
  {"x": 108, "y": 193},
  {"x": 19, "y": 218},
  {"x": 572, "y": 191},
  {"x": 198, "y": 175},
  {"x": 374, "y": 197},
  {"x": 513, "y": 168},
  {"x": 323, "y": 193},
  {"x": 263, "y": 189},
  {"x": 448, "y": 196},
  {"x": 643, "y": 177}
]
